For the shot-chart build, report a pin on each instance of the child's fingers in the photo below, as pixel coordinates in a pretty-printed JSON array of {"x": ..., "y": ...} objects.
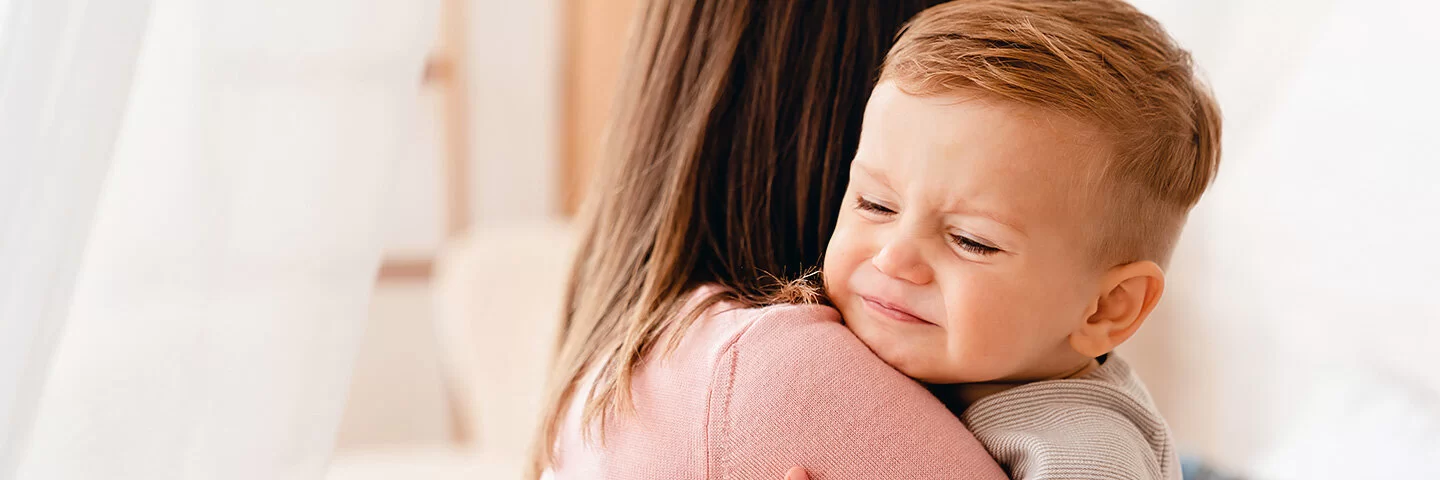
[{"x": 797, "y": 473}]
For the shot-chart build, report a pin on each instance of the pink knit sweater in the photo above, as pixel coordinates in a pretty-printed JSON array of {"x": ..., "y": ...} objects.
[{"x": 752, "y": 392}]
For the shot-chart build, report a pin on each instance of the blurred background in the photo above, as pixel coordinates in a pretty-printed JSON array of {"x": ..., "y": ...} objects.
[{"x": 446, "y": 145}]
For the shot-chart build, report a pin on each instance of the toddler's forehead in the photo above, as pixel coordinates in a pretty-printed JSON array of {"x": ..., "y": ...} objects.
[{"x": 965, "y": 144}]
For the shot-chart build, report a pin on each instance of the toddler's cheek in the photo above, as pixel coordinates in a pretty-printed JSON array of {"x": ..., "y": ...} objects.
[
  {"x": 973, "y": 354},
  {"x": 923, "y": 358},
  {"x": 909, "y": 362}
]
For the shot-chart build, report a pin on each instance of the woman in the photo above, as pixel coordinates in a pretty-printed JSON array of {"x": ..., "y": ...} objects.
[{"x": 727, "y": 163}]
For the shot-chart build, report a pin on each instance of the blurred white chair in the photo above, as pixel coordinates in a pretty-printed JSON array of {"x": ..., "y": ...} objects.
[
  {"x": 498, "y": 295},
  {"x": 497, "y": 299}
]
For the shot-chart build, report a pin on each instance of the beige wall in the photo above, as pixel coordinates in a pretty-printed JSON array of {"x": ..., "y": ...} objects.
[{"x": 597, "y": 30}]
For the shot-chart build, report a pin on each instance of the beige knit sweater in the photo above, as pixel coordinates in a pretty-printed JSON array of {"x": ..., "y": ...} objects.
[{"x": 1101, "y": 425}]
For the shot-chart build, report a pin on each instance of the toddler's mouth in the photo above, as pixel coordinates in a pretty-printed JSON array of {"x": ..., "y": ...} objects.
[{"x": 893, "y": 311}]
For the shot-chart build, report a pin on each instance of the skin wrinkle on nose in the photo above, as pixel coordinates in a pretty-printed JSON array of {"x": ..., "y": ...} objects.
[{"x": 904, "y": 238}]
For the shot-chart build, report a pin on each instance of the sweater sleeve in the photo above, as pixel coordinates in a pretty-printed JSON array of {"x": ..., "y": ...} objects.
[{"x": 797, "y": 388}]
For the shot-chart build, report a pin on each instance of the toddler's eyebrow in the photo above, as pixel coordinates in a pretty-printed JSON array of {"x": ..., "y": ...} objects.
[
  {"x": 960, "y": 209},
  {"x": 875, "y": 174}
]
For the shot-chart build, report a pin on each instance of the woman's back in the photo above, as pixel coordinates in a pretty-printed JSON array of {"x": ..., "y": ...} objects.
[
  {"x": 726, "y": 164},
  {"x": 749, "y": 393}
]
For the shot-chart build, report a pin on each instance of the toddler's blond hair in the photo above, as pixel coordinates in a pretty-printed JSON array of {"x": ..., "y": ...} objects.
[{"x": 1101, "y": 61}]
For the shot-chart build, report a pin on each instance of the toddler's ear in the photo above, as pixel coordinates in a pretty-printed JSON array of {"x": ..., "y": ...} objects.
[{"x": 1127, "y": 295}]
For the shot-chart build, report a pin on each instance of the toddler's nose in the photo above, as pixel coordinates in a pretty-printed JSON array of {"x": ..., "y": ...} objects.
[{"x": 902, "y": 259}]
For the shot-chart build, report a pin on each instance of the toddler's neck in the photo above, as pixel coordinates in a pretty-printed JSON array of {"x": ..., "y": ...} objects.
[{"x": 959, "y": 396}]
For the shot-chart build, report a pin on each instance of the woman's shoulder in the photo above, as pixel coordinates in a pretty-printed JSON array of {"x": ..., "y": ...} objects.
[
  {"x": 795, "y": 348},
  {"x": 786, "y": 348},
  {"x": 792, "y": 351},
  {"x": 772, "y": 332},
  {"x": 793, "y": 386},
  {"x": 798, "y": 350},
  {"x": 748, "y": 328},
  {"x": 725, "y": 326}
]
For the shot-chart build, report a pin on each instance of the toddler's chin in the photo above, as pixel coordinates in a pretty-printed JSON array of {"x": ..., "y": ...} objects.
[
  {"x": 929, "y": 370},
  {"x": 900, "y": 353},
  {"x": 921, "y": 364},
  {"x": 915, "y": 355}
]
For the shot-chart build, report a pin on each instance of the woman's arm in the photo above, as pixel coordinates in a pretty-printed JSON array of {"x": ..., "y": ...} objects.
[{"x": 797, "y": 388}]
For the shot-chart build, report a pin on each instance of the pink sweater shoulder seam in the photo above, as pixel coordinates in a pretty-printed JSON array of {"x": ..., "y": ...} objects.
[{"x": 725, "y": 381}]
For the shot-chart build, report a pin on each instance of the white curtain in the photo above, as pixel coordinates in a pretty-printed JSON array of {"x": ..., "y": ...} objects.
[
  {"x": 65, "y": 69},
  {"x": 224, "y": 284}
]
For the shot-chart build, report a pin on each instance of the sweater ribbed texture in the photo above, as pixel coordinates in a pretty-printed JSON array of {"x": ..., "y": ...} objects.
[{"x": 1102, "y": 426}]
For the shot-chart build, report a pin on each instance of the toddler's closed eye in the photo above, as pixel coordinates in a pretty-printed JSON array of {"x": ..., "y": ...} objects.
[
  {"x": 869, "y": 206},
  {"x": 973, "y": 246}
]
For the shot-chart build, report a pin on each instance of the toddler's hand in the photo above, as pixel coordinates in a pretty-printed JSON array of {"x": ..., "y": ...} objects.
[{"x": 796, "y": 473}]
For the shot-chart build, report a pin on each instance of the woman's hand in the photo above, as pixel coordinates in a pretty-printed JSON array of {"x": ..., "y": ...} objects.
[{"x": 797, "y": 473}]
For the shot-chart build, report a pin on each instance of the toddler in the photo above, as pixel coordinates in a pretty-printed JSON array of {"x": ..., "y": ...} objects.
[{"x": 1024, "y": 170}]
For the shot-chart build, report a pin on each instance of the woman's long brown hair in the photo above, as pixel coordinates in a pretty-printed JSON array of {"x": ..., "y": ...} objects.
[{"x": 726, "y": 162}]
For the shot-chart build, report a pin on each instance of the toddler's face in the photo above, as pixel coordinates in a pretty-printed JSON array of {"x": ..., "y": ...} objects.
[{"x": 959, "y": 253}]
